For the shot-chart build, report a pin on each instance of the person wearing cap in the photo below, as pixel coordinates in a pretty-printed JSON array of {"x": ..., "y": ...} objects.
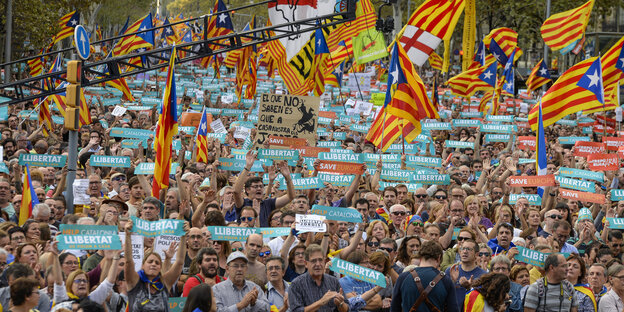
[{"x": 236, "y": 293}]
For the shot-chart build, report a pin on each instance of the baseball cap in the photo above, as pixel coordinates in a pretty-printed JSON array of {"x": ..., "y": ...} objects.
[{"x": 236, "y": 255}]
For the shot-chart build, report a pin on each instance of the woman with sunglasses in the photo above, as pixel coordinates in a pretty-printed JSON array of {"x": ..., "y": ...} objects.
[{"x": 371, "y": 244}]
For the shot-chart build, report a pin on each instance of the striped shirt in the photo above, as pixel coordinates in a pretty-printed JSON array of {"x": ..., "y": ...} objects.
[{"x": 557, "y": 297}]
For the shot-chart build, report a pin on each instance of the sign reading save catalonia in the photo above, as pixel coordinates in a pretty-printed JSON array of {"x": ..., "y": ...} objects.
[
  {"x": 158, "y": 228},
  {"x": 75, "y": 236},
  {"x": 338, "y": 213},
  {"x": 42, "y": 160},
  {"x": 358, "y": 272},
  {"x": 109, "y": 161}
]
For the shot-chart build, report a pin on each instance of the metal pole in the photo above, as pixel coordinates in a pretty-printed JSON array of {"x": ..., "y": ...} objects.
[
  {"x": 71, "y": 170},
  {"x": 7, "y": 41}
]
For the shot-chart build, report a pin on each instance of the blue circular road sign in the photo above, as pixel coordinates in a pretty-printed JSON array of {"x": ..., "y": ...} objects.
[{"x": 81, "y": 40}]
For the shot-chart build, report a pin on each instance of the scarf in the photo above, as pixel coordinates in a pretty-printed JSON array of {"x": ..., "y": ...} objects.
[
  {"x": 72, "y": 296},
  {"x": 154, "y": 283}
]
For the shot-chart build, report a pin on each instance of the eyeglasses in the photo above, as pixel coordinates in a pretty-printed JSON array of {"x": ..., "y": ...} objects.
[
  {"x": 421, "y": 195},
  {"x": 416, "y": 223},
  {"x": 484, "y": 254},
  {"x": 80, "y": 281},
  {"x": 265, "y": 253},
  {"x": 466, "y": 249},
  {"x": 274, "y": 268},
  {"x": 399, "y": 213},
  {"x": 440, "y": 197},
  {"x": 247, "y": 219},
  {"x": 239, "y": 249},
  {"x": 373, "y": 244},
  {"x": 299, "y": 253},
  {"x": 555, "y": 217},
  {"x": 71, "y": 263},
  {"x": 460, "y": 238},
  {"x": 256, "y": 186},
  {"x": 119, "y": 178},
  {"x": 618, "y": 245},
  {"x": 388, "y": 249}
]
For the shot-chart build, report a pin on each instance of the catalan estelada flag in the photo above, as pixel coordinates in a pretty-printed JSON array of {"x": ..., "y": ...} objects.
[
  {"x": 135, "y": 41},
  {"x": 540, "y": 150},
  {"x": 505, "y": 41},
  {"x": 435, "y": 61},
  {"x": 166, "y": 128},
  {"x": 29, "y": 198},
  {"x": 467, "y": 83},
  {"x": 565, "y": 97},
  {"x": 474, "y": 302},
  {"x": 321, "y": 52},
  {"x": 562, "y": 31},
  {"x": 201, "y": 140},
  {"x": 67, "y": 24},
  {"x": 540, "y": 75},
  {"x": 168, "y": 33}
]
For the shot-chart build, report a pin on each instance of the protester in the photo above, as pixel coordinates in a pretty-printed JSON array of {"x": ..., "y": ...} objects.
[{"x": 552, "y": 292}]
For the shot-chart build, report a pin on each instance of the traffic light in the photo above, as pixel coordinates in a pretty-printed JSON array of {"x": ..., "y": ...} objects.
[{"x": 72, "y": 95}]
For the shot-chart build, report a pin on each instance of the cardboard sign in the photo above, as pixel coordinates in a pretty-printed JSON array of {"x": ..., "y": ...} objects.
[
  {"x": 433, "y": 162},
  {"x": 148, "y": 168},
  {"x": 337, "y": 213},
  {"x": 242, "y": 132},
  {"x": 189, "y": 119},
  {"x": 287, "y": 142},
  {"x": 80, "y": 192},
  {"x": 532, "y": 181},
  {"x": 579, "y": 185},
  {"x": 534, "y": 199},
  {"x": 600, "y": 162},
  {"x": 583, "y": 196},
  {"x": 310, "y": 223},
  {"x": 130, "y": 133},
  {"x": 162, "y": 243},
  {"x": 42, "y": 160},
  {"x": 240, "y": 234},
  {"x": 157, "y": 228},
  {"x": 176, "y": 304},
  {"x": 530, "y": 256},
  {"x": 217, "y": 126},
  {"x": 572, "y": 140},
  {"x": 439, "y": 179},
  {"x": 288, "y": 116},
  {"x": 342, "y": 157},
  {"x": 358, "y": 272},
  {"x": 118, "y": 111},
  {"x": 617, "y": 195},
  {"x": 278, "y": 154},
  {"x": 584, "y": 149},
  {"x": 466, "y": 123},
  {"x": 526, "y": 142},
  {"x": 613, "y": 143},
  {"x": 340, "y": 167},
  {"x": 304, "y": 184},
  {"x": 458, "y": 144}
]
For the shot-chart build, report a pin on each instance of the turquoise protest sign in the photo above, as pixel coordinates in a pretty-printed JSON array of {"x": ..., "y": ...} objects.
[
  {"x": 274, "y": 231},
  {"x": 458, "y": 144},
  {"x": 231, "y": 164},
  {"x": 130, "y": 133},
  {"x": 109, "y": 161},
  {"x": 131, "y": 143},
  {"x": 522, "y": 161},
  {"x": 470, "y": 114},
  {"x": 491, "y": 128},
  {"x": 422, "y": 170},
  {"x": 436, "y": 125},
  {"x": 304, "y": 184},
  {"x": 228, "y": 233},
  {"x": 158, "y": 228},
  {"x": 340, "y": 136},
  {"x": 616, "y": 223},
  {"x": 500, "y": 118},
  {"x": 572, "y": 140},
  {"x": 279, "y": 178},
  {"x": 42, "y": 160},
  {"x": 534, "y": 199},
  {"x": 138, "y": 107},
  {"x": 187, "y": 130},
  {"x": 337, "y": 213},
  {"x": 358, "y": 272},
  {"x": 396, "y": 175},
  {"x": 580, "y": 173},
  {"x": 398, "y": 148},
  {"x": 411, "y": 187},
  {"x": 385, "y": 158},
  {"x": 176, "y": 304},
  {"x": 278, "y": 154},
  {"x": 579, "y": 185},
  {"x": 587, "y": 130},
  {"x": 439, "y": 179},
  {"x": 466, "y": 123},
  {"x": 336, "y": 179},
  {"x": 148, "y": 168},
  {"x": 497, "y": 137},
  {"x": 340, "y": 151},
  {"x": 330, "y": 144},
  {"x": 617, "y": 195},
  {"x": 344, "y": 157},
  {"x": 423, "y": 161},
  {"x": 4, "y": 168},
  {"x": 359, "y": 128},
  {"x": 74, "y": 236},
  {"x": 59, "y": 120},
  {"x": 532, "y": 257},
  {"x": 566, "y": 122}
]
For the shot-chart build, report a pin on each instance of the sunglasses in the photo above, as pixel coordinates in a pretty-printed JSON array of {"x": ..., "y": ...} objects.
[
  {"x": 460, "y": 238},
  {"x": 247, "y": 219},
  {"x": 556, "y": 217},
  {"x": 484, "y": 254},
  {"x": 421, "y": 195},
  {"x": 416, "y": 223},
  {"x": 440, "y": 197},
  {"x": 239, "y": 249},
  {"x": 387, "y": 249},
  {"x": 399, "y": 213},
  {"x": 373, "y": 244},
  {"x": 265, "y": 253}
]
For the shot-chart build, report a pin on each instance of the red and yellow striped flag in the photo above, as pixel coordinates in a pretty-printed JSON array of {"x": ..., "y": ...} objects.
[
  {"x": 45, "y": 118},
  {"x": 435, "y": 61},
  {"x": 67, "y": 24},
  {"x": 474, "y": 302},
  {"x": 468, "y": 82},
  {"x": 485, "y": 100},
  {"x": 562, "y": 31},
  {"x": 36, "y": 67},
  {"x": 166, "y": 128},
  {"x": 564, "y": 97},
  {"x": 29, "y": 197},
  {"x": 539, "y": 76}
]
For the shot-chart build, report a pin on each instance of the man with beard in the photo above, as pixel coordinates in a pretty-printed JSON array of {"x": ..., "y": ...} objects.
[
  {"x": 236, "y": 293},
  {"x": 194, "y": 244},
  {"x": 208, "y": 262},
  {"x": 277, "y": 287}
]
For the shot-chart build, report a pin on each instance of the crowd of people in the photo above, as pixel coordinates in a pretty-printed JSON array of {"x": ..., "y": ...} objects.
[{"x": 440, "y": 247}]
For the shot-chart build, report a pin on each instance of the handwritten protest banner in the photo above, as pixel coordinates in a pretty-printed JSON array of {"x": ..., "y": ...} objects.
[
  {"x": 532, "y": 181},
  {"x": 287, "y": 116},
  {"x": 337, "y": 213},
  {"x": 310, "y": 223},
  {"x": 157, "y": 228}
]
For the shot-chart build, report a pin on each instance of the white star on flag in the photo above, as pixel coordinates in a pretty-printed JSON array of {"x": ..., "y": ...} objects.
[
  {"x": 395, "y": 74},
  {"x": 507, "y": 65},
  {"x": 543, "y": 71},
  {"x": 496, "y": 55},
  {"x": 622, "y": 60},
  {"x": 508, "y": 86},
  {"x": 142, "y": 28},
  {"x": 202, "y": 127},
  {"x": 594, "y": 78},
  {"x": 337, "y": 71},
  {"x": 168, "y": 30},
  {"x": 318, "y": 43},
  {"x": 74, "y": 22},
  {"x": 487, "y": 74},
  {"x": 222, "y": 18}
]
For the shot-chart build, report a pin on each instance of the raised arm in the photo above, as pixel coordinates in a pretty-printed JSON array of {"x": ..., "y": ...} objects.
[
  {"x": 242, "y": 178},
  {"x": 175, "y": 271},
  {"x": 132, "y": 277},
  {"x": 290, "y": 187}
]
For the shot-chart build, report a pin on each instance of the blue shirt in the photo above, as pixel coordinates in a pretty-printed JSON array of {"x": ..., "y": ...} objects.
[
  {"x": 274, "y": 297},
  {"x": 406, "y": 292},
  {"x": 460, "y": 292},
  {"x": 567, "y": 248}
]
